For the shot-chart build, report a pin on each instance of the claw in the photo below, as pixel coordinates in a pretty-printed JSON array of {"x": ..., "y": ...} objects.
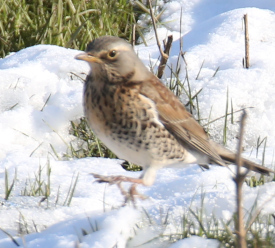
[
  {"x": 129, "y": 196},
  {"x": 105, "y": 179}
]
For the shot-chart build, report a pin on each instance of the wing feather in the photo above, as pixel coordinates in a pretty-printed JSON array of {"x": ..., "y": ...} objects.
[{"x": 178, "y": 121}]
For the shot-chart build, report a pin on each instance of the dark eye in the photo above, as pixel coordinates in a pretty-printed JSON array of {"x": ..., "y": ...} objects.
[{"x": 112, "y": 53}]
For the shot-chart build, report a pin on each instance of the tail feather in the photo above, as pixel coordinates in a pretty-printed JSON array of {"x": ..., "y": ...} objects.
[
  {"x": 248, "y": 164},
  {"x": 230, "y": 157}
]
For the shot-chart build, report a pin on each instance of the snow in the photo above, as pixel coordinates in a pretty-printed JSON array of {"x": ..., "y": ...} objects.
[
  {"x": 40, "y": 94},
  {"x": 195, "y": 242}
]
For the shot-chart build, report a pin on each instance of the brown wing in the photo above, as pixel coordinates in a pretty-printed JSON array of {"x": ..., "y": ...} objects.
[{"x": 178, "y": 121}]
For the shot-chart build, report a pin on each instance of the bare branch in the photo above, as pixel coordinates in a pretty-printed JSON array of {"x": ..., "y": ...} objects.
[
  {"x": 239, "y": 180},
  {"x": 246, "y": 62},
  {"x": 167, "y": 45}
]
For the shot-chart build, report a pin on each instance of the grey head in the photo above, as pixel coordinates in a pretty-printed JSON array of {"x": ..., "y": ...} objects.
[{"x": 113, "y": 59}]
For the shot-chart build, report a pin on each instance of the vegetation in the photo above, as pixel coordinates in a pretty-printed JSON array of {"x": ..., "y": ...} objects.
[
  {"x": 73, "y": 23},
  {"x": 67, "y": 23},
  {"x": 87, "y": 144},
  {"x": 195, "y": 221}
]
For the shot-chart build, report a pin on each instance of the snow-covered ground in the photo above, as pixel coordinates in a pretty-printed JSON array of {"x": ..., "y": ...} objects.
[{"x": 29, "y": 129}]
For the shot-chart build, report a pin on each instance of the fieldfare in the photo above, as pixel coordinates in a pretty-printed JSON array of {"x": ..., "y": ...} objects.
[{"x": 140, "y": 119}]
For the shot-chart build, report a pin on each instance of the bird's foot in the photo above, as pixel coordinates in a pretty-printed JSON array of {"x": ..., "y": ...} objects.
[
  {"x": 115, "y": 179},
  {"x": 131, "y": 194}
]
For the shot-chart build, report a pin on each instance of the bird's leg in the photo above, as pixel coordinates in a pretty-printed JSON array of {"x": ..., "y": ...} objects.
[
  {"x": 133, "y": 192},
  {"x": 116, "y": 179},
  {"x": 122, "y": 190},
  {"x": 129, "y": 196}
]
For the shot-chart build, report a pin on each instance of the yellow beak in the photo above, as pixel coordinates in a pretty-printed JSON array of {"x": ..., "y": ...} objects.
[{"x": 87, "y": 57}]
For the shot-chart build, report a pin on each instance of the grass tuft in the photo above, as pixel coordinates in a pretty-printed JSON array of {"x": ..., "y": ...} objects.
[
  {"x": 195, "y": 221},
  {"x": 86, "y": 143},
  {"x": 71, "y": 191},
  {"x": 71, "y": 23},
  {"x": 39, "y": 186},
  {"x": 9, "y": 187}
]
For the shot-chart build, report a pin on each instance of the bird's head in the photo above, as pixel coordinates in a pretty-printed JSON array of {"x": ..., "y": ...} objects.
[{"x": 113, "y": 59}]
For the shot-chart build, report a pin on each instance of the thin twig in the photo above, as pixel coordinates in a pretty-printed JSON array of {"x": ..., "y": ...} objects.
[
  {"x": 239, "y": 180},
  {"x": 163, "y": 61},
  {"x": 167, "y": 46},
  {"x": 247, "y": 65},
  {"x": 155, "y": 28}
]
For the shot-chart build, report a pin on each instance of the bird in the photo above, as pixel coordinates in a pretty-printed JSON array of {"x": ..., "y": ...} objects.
[{"x": 138, "y": 118}]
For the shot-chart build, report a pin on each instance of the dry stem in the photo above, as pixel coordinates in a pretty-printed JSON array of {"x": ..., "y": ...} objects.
[
  {"x": 247, "y": 65},
  {"x": 167, "y": 45},
  {"x": 239, "y": 180}
]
